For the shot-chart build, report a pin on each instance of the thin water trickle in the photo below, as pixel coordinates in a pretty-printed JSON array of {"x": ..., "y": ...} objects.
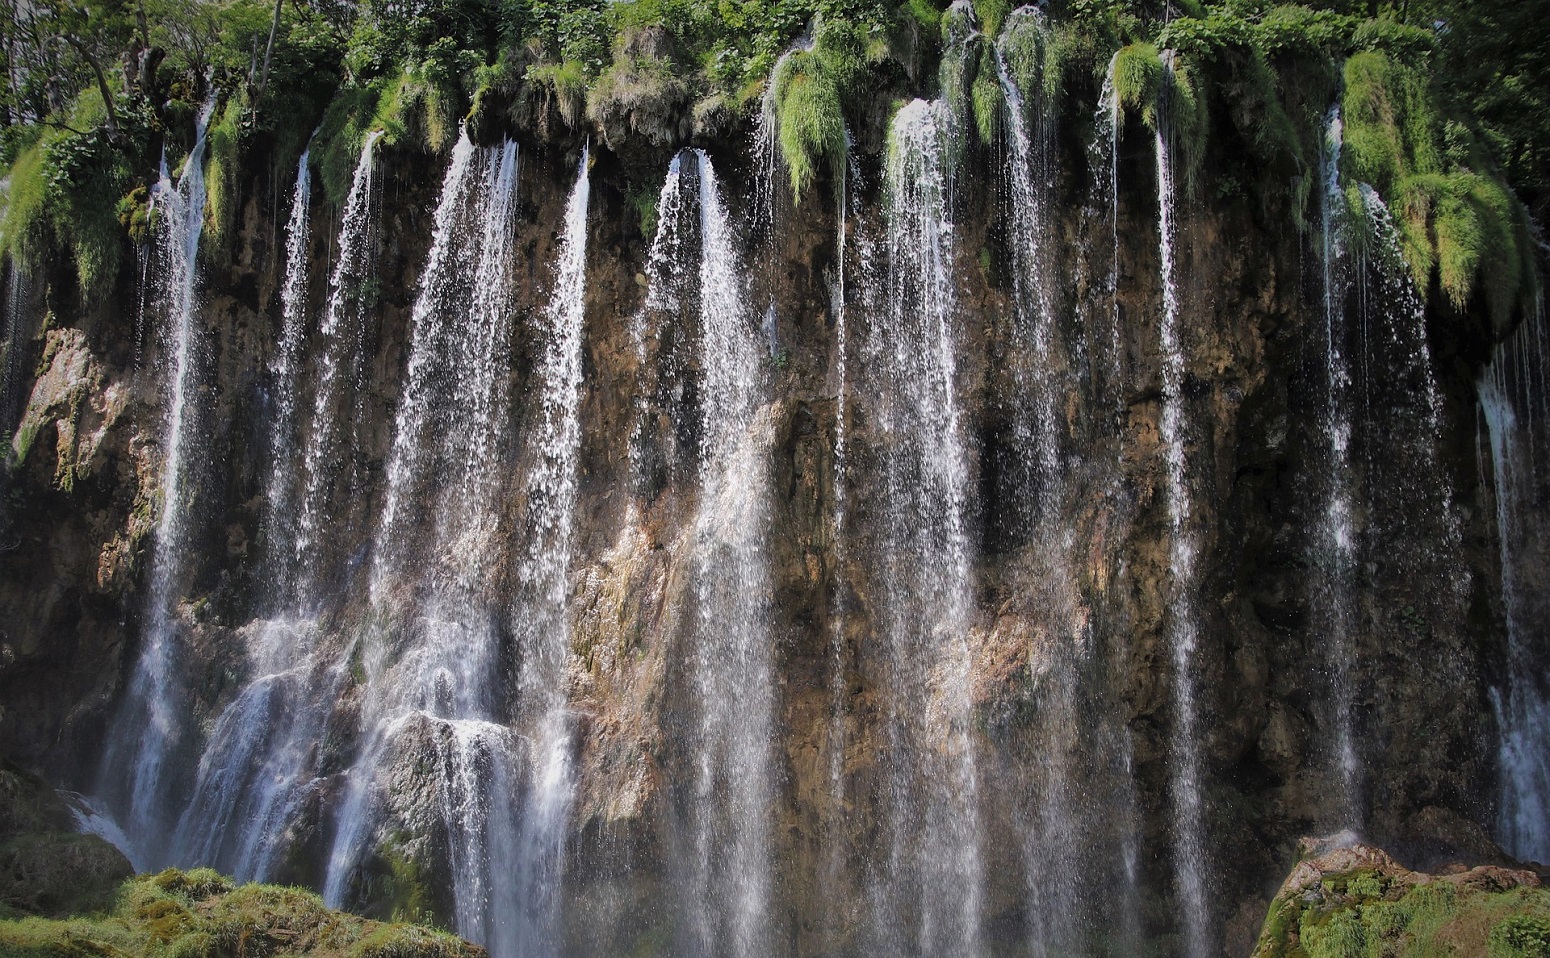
[
  {"x": 327, "y": 462},
  {"x": 926, "y": 884},
  {"x": 1189, "y": 849},
  {"x": 1512, "y": 401},
  {"x": 149, "y": 726},
  {"x": 1337, "y": 557},
  {"x": 281, "y": 519}
]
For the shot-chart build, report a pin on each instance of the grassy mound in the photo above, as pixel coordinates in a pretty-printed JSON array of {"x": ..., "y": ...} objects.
[
  {"x": 1359, "y": 903},
  {"x": 199, "y": 914}
]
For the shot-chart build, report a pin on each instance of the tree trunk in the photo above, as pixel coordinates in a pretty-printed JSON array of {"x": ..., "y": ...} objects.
[{"x": 274, "y": 28}]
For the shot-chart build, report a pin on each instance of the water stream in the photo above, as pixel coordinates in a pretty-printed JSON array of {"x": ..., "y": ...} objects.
[{"x": 149, "y": 726}]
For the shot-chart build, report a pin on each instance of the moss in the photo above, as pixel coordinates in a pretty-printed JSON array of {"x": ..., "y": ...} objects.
[
  {"x": 1035, "y": 56},
  {"x": 989, "y": 102},
  {"x": 1390, "y": 126},
  {"x": 1452, "y": 220},
  {"x": 992, "y": 14},
  {"x": 408, "y": 941},
  {"x": 641, "y": 96},
  {"x": 1138, "y": 77},
  {"x": 811, "y": 124},
  {"x": 23, "y": 232},
  {"x": 407, "y": 891},
  {"x": 64, "y": 195},
  {"x": 811, "y": 91},
  {"x": 1365, "y": 913},
  {"x": 221, "y": 180},
  {"x": 567, "y": 83},
  {"x": 340, "y": 136}
]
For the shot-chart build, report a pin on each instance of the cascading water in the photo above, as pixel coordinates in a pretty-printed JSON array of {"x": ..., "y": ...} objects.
[
  {"x": 260, "y": 763},
  {"x": 1513, "y": 400},
  {"x": 338, "y": 363},
  {"x": 431, "y": 652},
  {"x": 1108, "y": 122},
  {"x": 1053, "y": 842},
  {"x": 733, "y": 816},
  {"x": 281, "y": 527},
  {"x": 148, "y": 728},
  {"x": 1189, "y": 852},
  {"x": 926, "y": 883},
  {"x": 1336, "y": 557},
  {"x": 544, "y": 629},
  {"x": 17, "y": 333}
]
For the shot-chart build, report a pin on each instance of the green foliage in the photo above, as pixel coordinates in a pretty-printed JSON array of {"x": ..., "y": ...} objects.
[
  {"x": 811, "y": 92},
  {"x": 641, "y": 96},
  {"x": 1521, "y": 936},
  {"x": 1365, "y": 914},
  {"x": 1035, "y": 57},
  {"x": 1138, "y": 77},
  {"x": 992, "y": 14},
  {"x": 1453, "y": 218},
  {"x": 177, "y": 915},
  {"x": 223, "y": 140},
  {"x": 567, "y": 83},
  {"x": 349, "y": 118},
  {"x": 644, "y": 202},
  {"x": 66, "y": 187},
  {"x": 408, "y": 890}
]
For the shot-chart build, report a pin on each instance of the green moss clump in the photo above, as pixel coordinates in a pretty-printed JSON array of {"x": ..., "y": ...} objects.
[
  {"x": 1367, "y": 914},
  {"x": 1454, "y": 221},
  {"x": 811, "y": 92},
  {"x": 66, "y": 186},
  {"x": 567, "y": 83},
  {"x": 992, "y": 14},
  {"x": 221, "y": 181},
  {"x": 337, "y": 149},
  {"x": 1138, "y": 77},
  {"x": 200, "y": 915}
]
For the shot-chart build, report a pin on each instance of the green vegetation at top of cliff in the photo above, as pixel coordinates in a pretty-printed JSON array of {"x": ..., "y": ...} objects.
[
  {"x": 1367, "y": 906},
  {"x": 200, "y": 914},
  {"x": 97, "y": 88}
]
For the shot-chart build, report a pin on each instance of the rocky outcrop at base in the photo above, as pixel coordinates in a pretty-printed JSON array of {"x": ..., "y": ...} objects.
[{"x": 1345, "y": 898}]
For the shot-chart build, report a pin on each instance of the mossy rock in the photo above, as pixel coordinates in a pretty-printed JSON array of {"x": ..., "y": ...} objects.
[
  {"x": 1357, "y": 902},
  {"x": 58, "y": 872},
  {"x": 199, "y": 914}
]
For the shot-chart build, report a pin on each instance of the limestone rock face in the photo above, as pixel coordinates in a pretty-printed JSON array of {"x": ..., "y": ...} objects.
[{"x": 1087, "y": 717}]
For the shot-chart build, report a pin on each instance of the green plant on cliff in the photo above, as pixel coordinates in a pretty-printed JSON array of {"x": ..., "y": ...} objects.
[
  {"x": 1371, "y": 914},
  {"x": 812, "y": 91},
  {"x": 1456, "y": 221},
  {"x": 224, "y": 139},
  {"x": 186, "y": 914}
]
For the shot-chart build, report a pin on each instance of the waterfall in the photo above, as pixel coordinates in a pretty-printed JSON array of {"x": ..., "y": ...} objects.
[
  {"x": 1054, "y": 845},
  {"x": 1513, "y": 396},
  {"x": 281, "y": 527},
  {"x": 148, "y": 727},
  {"x": 259, "y": 768},
  {"x": 339, "y": 360},
  {"x": 734, "y": 814},
  {"x": 1336, "y": 558},
  {"x": 849, "y": 195},
  {"x": 1107, "y": 127},
  {"x": 544, "y": 628},
  {"x": 1189, "y": 852},
  {"x": 430, "y": 652},
  {"x": 18, "y": 333},
  {"x": 927, "y": 885}
]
